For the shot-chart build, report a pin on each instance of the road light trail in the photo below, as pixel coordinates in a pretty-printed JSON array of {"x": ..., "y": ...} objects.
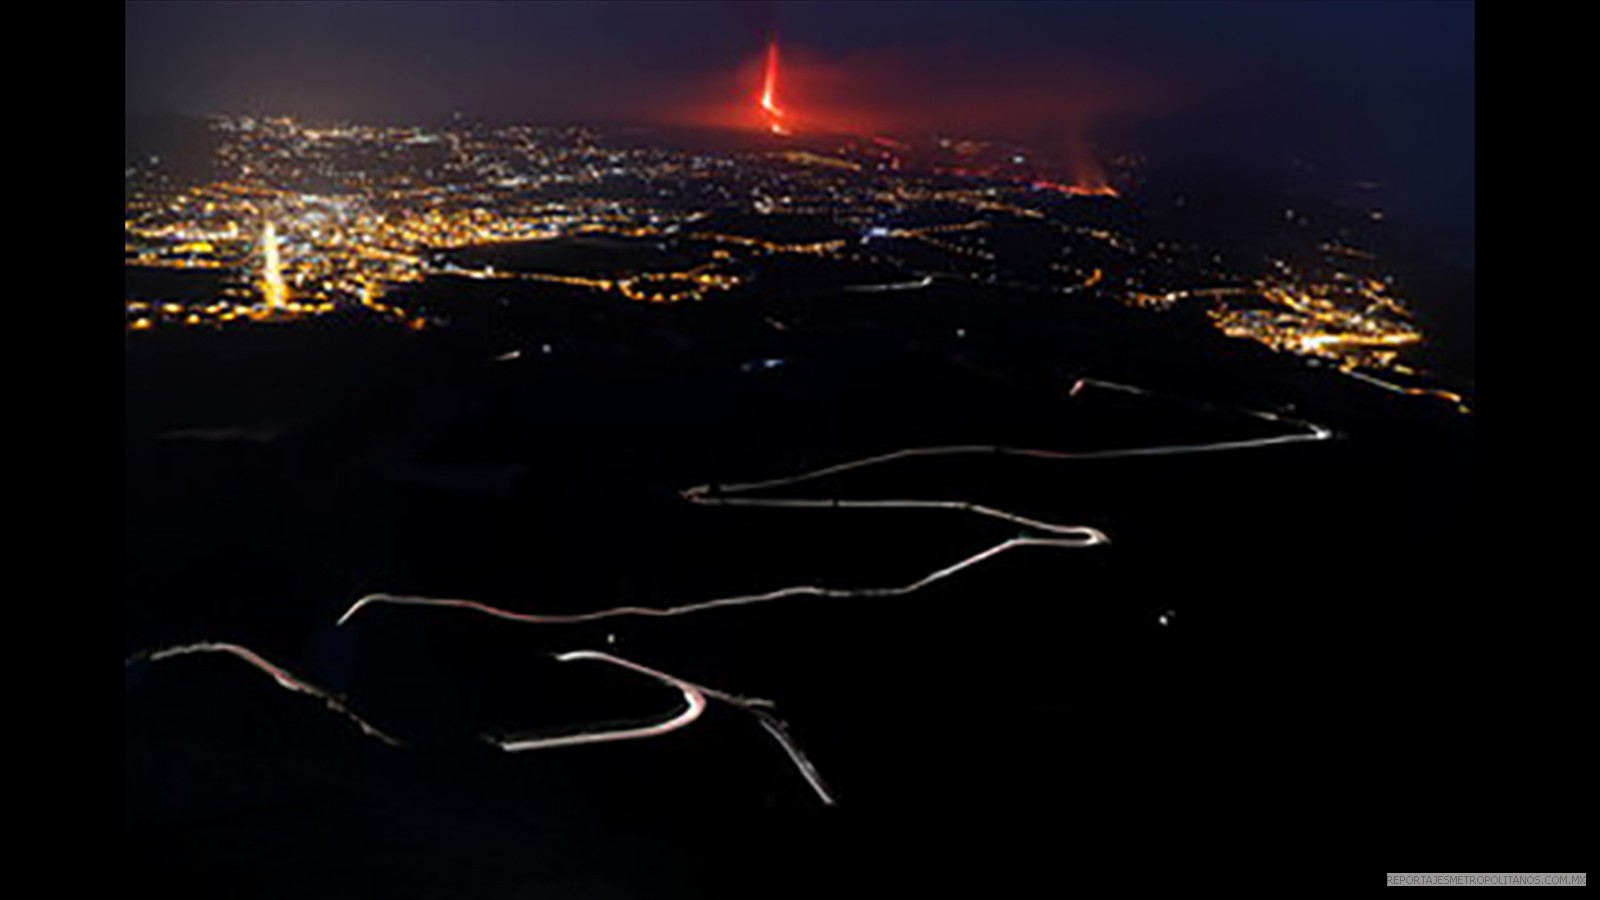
[
  {"x": 1311, "y": 432},
  {"x": 1439, "y": 393},
  {"x": 1065, "y": 536},
  {"x": 695, "y": 697},
  {"x": 1087, "y": 537},
  {"x": 914, "y": 285},
  {"x": 694, "y": 700},
  {"x": 780, "y": 732},
  {"x": 282, "y": 676},
  {"x": 1090, "y": 538}
]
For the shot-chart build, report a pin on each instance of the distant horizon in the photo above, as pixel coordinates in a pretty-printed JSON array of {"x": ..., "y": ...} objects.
[{"x": 1385, "y": 89}]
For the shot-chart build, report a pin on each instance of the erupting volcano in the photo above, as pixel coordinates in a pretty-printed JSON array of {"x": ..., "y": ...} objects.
[
  {"x": 850, "y": 103},
  {"x": 769, "y": 93}
]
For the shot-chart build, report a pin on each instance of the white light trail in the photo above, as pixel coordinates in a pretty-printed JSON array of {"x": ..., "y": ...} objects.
[
  {"x": 1066, "y": 536},
  {"x": 780, "y": 732},
  {"x": 694, "y": 700},
  {"x": 1088, "y": 538},
  {"x": 695, "y": 697},
  {"x": 1447, "y": 396},
  {"x": 1082, "y": 534},
  {"x": 915, "y": 285},
  {"x": 701, "y": 493},
  {"x": 282, "y": 676}
]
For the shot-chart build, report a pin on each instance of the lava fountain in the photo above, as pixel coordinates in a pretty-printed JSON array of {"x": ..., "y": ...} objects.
[{"x": 769, "y": 93}]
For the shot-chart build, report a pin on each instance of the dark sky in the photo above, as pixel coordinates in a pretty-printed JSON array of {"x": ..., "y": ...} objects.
[{"x": 1380, "y": 88}]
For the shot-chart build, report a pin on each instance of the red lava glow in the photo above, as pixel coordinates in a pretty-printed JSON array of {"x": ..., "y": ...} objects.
[
  {"x": 918, "y": 106},
  {"x": 1088, "y": 178},
  {"x": 769, "y": 92},
  {"x": 1078, "y": 190}
]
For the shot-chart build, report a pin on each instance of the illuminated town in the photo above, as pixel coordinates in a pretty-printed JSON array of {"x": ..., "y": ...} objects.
[{"x": 313, "y": 220}]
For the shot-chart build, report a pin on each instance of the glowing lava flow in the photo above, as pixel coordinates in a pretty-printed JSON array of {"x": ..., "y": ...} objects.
[
  {"x": 1077, "y": 190},
  {"x": 280, "y": 675},
  {"x": 694, "y": 698},
  {"x": 769, "y": 93}
]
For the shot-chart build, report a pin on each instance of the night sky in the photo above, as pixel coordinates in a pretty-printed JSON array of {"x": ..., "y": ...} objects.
[{"x": 1377, "y": 90}]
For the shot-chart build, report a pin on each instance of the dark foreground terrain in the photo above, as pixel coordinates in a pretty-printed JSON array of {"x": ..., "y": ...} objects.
[{"x": 1049, "y": 716}]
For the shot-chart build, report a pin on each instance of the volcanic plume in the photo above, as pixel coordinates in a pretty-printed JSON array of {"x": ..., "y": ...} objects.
[{"x": 1088, "y": 177}]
